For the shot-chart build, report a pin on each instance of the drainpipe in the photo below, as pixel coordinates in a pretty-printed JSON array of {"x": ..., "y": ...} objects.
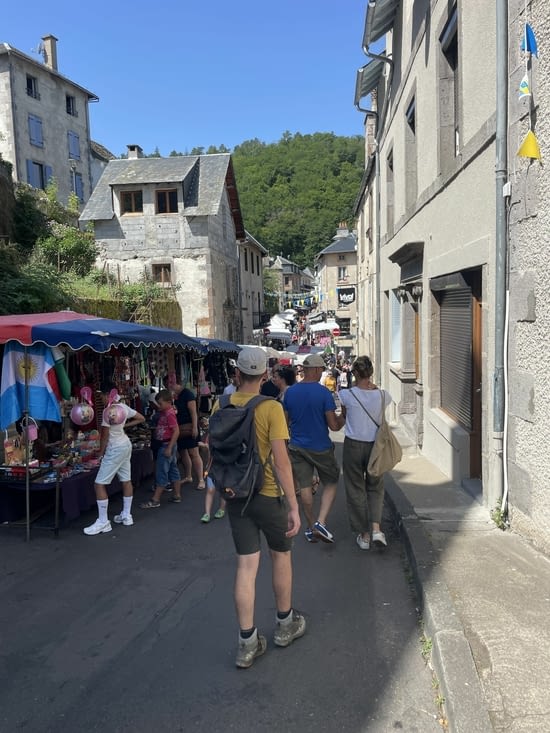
[
  {"x": 496, "y": 488},
  {"x": 380, "y": 128}
]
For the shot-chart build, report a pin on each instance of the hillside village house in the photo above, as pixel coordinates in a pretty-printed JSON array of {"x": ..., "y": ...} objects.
[
  {"x": 336, "y": 267},
  {"x": 430, "y": 235},
  {"x": 177, "y": 220},
  {"x": 44, "y": 123},
  {"x": 294, "y": 286}
]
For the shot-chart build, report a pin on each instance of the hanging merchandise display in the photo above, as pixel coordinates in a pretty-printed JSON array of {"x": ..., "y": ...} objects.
[{"x": 83, "y": 413}]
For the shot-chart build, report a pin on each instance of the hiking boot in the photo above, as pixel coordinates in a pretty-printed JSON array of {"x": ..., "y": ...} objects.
[
  {"x": 98, "y": 527},
  {"x": 249, "y": 649},
  {"x": 310, "y": 537},
  {"x": 320, "y": 531},
  {"x": 126, "y": 519},
  {"x": 289, "y": 629}
]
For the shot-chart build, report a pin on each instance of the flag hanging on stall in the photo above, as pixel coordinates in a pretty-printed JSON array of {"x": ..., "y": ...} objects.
[{"x": 29, "y": 366}]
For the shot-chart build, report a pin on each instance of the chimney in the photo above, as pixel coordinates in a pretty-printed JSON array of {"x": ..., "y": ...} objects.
[
  {"x": 134, "y": 151},
  {"x": 342, "y": 230},
  {"x": 50, "y": 51}
]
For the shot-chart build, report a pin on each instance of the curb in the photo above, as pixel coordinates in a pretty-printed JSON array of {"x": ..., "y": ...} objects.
[{"x": 452, "y": 658}]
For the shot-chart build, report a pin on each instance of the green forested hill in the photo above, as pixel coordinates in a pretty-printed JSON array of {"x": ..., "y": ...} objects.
[{"x": 293, "y": 193}]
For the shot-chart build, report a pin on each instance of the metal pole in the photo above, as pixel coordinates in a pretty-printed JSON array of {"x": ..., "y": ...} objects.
[
  {"x": 501, "y": 169},
  {"x": 25, "y": 421}
]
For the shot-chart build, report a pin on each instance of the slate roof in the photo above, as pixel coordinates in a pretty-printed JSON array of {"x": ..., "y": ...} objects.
[
  {"x": 342, "y": 244},
  {"x": 205, "y": 177},
  {"x": 100, "y": 151},
  {"x": 5, "y": 48}
]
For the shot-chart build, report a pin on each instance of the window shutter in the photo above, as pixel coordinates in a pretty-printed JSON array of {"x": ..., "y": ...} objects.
[
  {"x": 30, "y": 173},
  {"x": 79, "y": 185},
  {"x": 456, "y": 354},
  {"x": 35, "y": 130},
  {"x": 74, "y": 145},
  {"x": 48, "y": 174}
]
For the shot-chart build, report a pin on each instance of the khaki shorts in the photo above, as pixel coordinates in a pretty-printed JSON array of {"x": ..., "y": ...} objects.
[{"x": 304, "y": 462}]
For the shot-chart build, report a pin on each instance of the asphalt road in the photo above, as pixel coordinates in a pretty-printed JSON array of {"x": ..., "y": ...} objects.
[{"x": 135, "y": 631}]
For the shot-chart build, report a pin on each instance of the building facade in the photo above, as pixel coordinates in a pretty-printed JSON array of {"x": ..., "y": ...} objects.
[
  {"x": 453, "y": 249},
  {"x": 45, "y": 126},
  {"x": 426, "y": 245},
  {"x": 336, "y": 267},
  {"x": 251, "y": 287},
  {"x": 176, "y": 221}
]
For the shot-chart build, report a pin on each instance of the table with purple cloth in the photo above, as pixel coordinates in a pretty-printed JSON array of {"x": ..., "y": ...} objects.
[{"x": 77, "y": 492}]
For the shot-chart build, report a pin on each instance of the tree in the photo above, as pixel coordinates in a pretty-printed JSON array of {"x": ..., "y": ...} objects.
[
  {"x": 67, "y": 248},
  {"x": 293, "y": 193}
]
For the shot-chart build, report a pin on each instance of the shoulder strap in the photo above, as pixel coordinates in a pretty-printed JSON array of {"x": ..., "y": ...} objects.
[
  {"x": 224, "y": 400},
  {"x": 365, "y": 409}
]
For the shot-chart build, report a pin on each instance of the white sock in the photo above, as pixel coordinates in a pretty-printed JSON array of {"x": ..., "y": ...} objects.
[
  {"x": 102, "y": 505},
  {"x": 127, "y": 505}
]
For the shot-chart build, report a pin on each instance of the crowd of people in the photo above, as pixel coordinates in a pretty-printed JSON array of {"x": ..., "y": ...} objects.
[{"x": 294, "y": 445}]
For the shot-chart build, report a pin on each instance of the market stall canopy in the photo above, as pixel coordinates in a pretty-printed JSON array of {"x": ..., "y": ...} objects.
[
  {"x": 79, "y": 331},
  {"x": 213, "y": 345},
  {"x": 323, "y": 326}
]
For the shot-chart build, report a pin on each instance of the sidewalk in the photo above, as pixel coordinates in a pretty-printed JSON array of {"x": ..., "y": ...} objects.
[{"x": 485, "y": 597}]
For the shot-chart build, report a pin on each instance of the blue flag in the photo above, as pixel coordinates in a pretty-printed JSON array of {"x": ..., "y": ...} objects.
[{"x": 32, "y": 368}]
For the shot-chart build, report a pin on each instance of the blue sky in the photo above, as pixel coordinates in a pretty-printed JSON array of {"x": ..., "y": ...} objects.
[{"x": 193, "y": 73}]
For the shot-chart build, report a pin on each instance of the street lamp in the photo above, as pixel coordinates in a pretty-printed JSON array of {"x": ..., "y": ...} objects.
[{"x": 72, "y": 163}]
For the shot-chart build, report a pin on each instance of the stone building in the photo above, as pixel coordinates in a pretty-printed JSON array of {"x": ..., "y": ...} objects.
[
  {"x": 528, "y": 395},
  {"x": 336, "y": 267},
  {"x": 426, "y": 227},
  {"x": 44, "y": 122},
  {"x": 251, "y": 287},
  {"x": 177, "y": 221},
  {"x": 447, "y": 238}
]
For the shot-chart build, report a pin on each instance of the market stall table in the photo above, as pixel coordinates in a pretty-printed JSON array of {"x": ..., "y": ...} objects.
[{"x": 76, "y": 492}]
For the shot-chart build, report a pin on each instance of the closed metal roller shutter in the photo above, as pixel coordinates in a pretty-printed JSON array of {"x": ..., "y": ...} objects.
[{"x": 456, "y": 354}]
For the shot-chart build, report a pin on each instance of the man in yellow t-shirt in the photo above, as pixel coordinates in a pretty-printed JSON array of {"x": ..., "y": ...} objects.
[{"x": 273, "y": 511}]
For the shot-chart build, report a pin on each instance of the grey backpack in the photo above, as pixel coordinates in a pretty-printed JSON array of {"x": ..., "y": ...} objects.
[{"x": 236, "y": 468}]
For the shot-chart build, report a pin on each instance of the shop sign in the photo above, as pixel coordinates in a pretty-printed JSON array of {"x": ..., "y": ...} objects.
[{"x": 346, "y": 296}]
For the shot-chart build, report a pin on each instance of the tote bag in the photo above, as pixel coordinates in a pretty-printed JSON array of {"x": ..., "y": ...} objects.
[{"x": 386, "y": 451}]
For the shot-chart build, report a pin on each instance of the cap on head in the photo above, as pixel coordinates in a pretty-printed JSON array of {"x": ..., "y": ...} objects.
[
  {"x": 314, "y": 360},
  {"x": 252, "y": 360}
]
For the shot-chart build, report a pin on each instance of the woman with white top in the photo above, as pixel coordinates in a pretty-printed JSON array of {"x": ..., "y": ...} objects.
[{"x": 364, "y": 493}]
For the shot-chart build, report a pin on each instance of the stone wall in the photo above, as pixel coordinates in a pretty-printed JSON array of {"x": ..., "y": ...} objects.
[{"x": 529, "y": 264}]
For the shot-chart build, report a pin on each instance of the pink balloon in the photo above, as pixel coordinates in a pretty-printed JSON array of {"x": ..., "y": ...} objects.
[
  {"x": 82, "y": 414},
  {"x": 115, "y": 414}
]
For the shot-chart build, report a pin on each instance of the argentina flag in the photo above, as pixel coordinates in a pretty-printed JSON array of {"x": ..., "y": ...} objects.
[{"x": 32, "y": 368}]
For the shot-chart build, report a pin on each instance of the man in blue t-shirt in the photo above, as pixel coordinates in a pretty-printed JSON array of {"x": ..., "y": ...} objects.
[{"x": 311, "y": 412}]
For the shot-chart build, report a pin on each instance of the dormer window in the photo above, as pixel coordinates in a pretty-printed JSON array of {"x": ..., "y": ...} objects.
[
  {"x": 131, "y": 202},
  {"x": 167, "y": 201}
]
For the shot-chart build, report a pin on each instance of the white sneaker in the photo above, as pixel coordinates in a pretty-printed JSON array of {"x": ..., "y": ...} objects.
[
  {"x": 126, "y": 519},
  {"x": 98, "y": 527},
  {"x": 363, "y": 544},
  {"x": 379, "y": 539}
]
